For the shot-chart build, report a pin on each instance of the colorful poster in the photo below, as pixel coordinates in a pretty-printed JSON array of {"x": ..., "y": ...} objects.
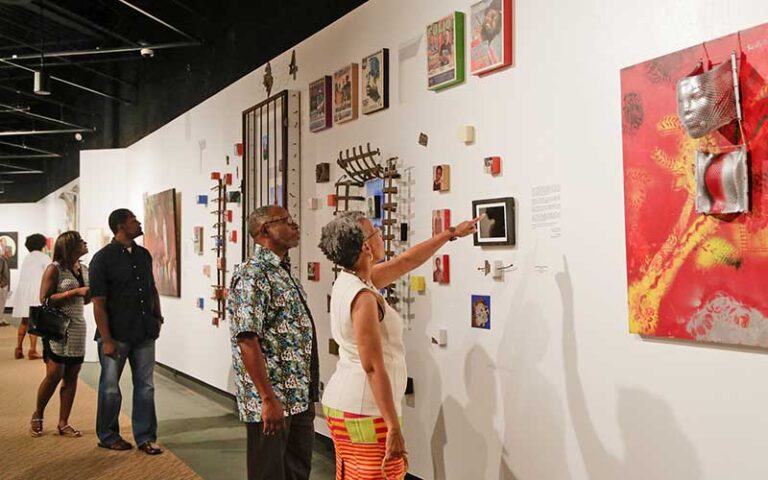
[
  {"x": 345, "y": 87},
  {"x": 9, "y": 246},
  {"x": 162, "y": 241},
  {"x": 320, "y": 112},
  {"x": 491, "y": 30},
  {"x": 689, "y": 275},
  {"x": 376, "y": 81},
  {"x": 445, "y": 52}
]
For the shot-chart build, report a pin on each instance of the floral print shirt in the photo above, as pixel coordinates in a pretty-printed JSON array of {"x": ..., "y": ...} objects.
[{"x": 266, "y": 300}]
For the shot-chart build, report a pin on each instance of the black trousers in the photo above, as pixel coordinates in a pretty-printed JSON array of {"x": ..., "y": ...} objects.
[{"x": 286, "y": 455}]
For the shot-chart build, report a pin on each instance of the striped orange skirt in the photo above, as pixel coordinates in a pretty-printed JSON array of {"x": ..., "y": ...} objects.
[{"x": 360, "y": 443}]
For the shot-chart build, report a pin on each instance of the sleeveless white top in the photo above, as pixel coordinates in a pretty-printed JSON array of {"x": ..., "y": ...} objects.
[
  {"x": 27, "y": 292},
  {"x": 348, "y": 389}
]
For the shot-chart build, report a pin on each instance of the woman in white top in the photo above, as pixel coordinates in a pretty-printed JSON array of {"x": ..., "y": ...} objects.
[
  {"x": 28, "y": 291},
  {"x": 363, "y": 398}
]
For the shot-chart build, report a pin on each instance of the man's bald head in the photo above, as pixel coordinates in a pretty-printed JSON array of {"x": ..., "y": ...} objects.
[{"x": 262, "y": 215}]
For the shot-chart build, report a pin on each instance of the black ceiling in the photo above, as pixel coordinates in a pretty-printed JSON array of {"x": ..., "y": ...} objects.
[{"x": 113, "y": 94}]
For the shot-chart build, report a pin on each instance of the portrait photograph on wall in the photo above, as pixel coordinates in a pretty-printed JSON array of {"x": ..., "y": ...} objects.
[
  {"x": 441, "y": 178},
  {"x": 320, "y": 111},
  {"x": 490, "y": 45},
  {"x": 497, "y": 227},
  {"x": 695, "y": 209},
  {"x": 481, "y": 311},
  {"x": 9, "y": 246},
  {"x": 441, "y": 269},
  {"x": 441, "y": 220},
  {"x": 162, "y": 240},
  {"x": 345, "y": 96},
  {"x": 375, "y": 70},
  {"x": 445, "y": 52}
]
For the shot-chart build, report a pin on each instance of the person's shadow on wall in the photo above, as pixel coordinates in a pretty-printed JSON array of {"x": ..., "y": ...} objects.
[
  {"x": 534, "y": 445},
  {"x": 653, "y": 444},
  {"x": 465, "y": 433}
]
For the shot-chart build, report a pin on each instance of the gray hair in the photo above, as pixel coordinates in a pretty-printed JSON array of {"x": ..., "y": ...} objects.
[
  {"x": 342, "y": 239},
  {"x": 257, "y": 218}
]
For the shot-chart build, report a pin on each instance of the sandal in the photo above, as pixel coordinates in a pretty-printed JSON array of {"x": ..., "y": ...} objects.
[
  {"x": 18, "y": 353},
  {"x": 150, "y": 448},
  {"x": 69, "y": 431},
  {"x": 32, "y": 355},
  {"x": 36, "y": 427},
  {"x": 118, "y": 445}
]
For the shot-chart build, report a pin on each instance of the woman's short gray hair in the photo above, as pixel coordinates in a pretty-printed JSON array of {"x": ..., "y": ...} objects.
[{"x": 342, "y": 239}]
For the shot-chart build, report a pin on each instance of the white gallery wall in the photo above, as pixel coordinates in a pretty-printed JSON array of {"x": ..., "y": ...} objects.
[
  {"x": 47, "y": 216},
  {"x": 557, "y": 388}
]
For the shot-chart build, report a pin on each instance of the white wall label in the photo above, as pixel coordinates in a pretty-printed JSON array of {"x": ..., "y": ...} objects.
[{"x": 546, "y": 208}]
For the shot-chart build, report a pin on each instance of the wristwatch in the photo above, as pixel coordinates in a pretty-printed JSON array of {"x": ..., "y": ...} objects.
[{"x": 453, "y": 233}]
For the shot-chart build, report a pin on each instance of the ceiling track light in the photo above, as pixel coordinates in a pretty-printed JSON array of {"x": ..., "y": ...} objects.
[{"x": 42, "y": 80}]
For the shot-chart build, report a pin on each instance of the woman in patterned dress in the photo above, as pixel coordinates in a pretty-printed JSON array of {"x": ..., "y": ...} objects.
[{"x": 65, "y": 285}]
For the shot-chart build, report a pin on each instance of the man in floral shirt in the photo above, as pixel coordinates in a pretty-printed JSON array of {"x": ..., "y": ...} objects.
[{"x": 274, "y": 352}]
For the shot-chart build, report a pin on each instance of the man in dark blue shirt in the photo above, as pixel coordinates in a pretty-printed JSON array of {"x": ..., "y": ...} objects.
[{"x": 127, "y": 310}]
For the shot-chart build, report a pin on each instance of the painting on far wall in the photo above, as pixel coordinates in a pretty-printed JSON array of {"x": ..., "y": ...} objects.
[
  {"x": 691, "y": 275},
  {"x": 9, "y": 242},
  {"x": 161, "y": 238},
  {"x": 376, "y": 81},
  {"x": 491, "y": 36},
  {"x": 345, "y": 96},
  {"x": 320, "y": 112},
  {"x": 445, "y": 52}
]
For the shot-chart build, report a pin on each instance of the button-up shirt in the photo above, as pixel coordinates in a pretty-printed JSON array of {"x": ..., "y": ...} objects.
[
  {"x": 267, "y": 301},
  {"x": 124, "y": 276}
]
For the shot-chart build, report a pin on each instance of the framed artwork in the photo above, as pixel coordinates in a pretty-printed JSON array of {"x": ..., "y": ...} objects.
[
  {"x": 9, "y": 242},
  {"x": 374, "y": 201},
  {"x": 313, "y": 271},
  {"x": 481, "y": 311},
  {"x": 345, "y": 88},
  {"x": 690, "y": 275},
  {"x": 162, "y": 240},
  {"x": 320, "y": 108},
  {"x": 323, "y": 172},
  {"x": 445, "y": 52},
  {"x": 376, "y": 81},
  {"x": 441, "y": 178},
  {"x": 498, "y": 225},
  {"x": 491, "y": 36},
  {"x": 441, "y": 269},
  {"x": 199, "y": 240},
  {"x": 441, "y": 220}
]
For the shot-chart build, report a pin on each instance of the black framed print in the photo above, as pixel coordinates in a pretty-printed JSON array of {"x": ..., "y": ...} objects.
[{"x": 497, "y": 227}]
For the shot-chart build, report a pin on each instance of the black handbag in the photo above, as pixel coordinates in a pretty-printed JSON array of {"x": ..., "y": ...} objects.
[{"x": 48, "y": 321}]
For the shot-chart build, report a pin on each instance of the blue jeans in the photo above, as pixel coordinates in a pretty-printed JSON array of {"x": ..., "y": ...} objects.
[{"x": 141, "y": 356}]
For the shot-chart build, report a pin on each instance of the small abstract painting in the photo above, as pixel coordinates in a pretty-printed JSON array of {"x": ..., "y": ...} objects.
[{"x": 161, "y": 238}]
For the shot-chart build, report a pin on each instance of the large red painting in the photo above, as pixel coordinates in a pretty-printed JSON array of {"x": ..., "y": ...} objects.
[{"x": 689, "y": 275}]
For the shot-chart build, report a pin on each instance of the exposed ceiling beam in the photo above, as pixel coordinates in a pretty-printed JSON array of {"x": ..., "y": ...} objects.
[
  {"x": 29, "y": 155},
  {"x": 87, "y": 23},
  {"x": 18, "y": 133},
  {"x": 45, "y": 100},
  {"x": 101, "y": 51},
  {"x": 18, "y": 170},
  {"x": 161, "y": 22},
  {"x": 71, "y": 84},
  {"x": 21, "y": 111},
  {"x": 27, "y": 147}
]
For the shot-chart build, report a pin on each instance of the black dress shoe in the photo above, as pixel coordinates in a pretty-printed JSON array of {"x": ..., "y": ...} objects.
[{"x": 150, "y": 448}]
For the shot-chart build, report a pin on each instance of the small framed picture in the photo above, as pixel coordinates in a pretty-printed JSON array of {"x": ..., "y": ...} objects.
[
  {"x": 345, "y": 88},
  {"x": 376, "y": 81},
  {"x": 441, "y": 178},
  {"x": 323, "y": 172},
  {"x": 481, "y": 311},
  {"x": 498, "y": 225},
  {"x": 441, "y": 220},
  {"x": 320, "y": 108},
  {"x": 313, "y": 271},
  {"x": 441, "y": 269},
  {"x": 445, "y": 52},
  {"x": 490, "y": 36}
]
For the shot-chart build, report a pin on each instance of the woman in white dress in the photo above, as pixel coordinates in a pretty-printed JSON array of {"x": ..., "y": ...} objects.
[
  {"x": 28, "y": 291},
  {"x": 362, "y": 401}
]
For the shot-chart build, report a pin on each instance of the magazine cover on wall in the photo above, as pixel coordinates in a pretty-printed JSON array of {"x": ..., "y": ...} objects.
[
  {"x": 162, "y": 241},
  {"x": 497, "y": 227},
  {"x": 491, "y": 30},
  {"x": 445, "y": 52},
  {"x": 376, "y": 81},
  {"x": 9, "y": 242},
  {"x": 345, "y": 87},
  {"x": 320, "y": 111},
  {"x": 698, "y": 275}
]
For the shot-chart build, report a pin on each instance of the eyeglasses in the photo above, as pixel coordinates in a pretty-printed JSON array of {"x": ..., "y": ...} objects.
[
  {"x": 287, "y": 219},
  {"x": 375, "y": 231}
]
